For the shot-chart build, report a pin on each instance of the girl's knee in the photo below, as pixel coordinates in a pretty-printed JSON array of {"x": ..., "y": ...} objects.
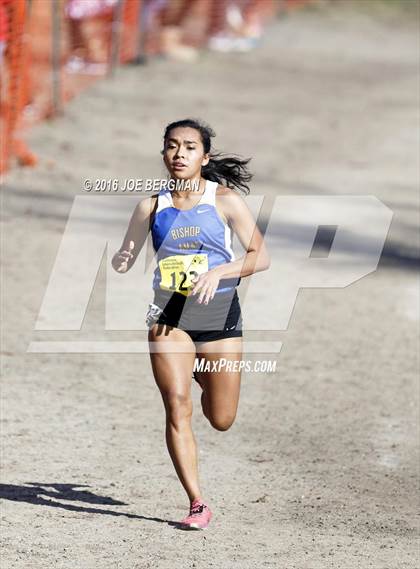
[
  {"x": 222, "y": 422},
  {"x": 178, "y": 406}
]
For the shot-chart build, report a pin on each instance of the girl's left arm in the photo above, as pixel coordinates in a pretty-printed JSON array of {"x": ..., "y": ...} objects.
[
  {"x": 256, "y": 258},
  {"x": 243, "y": 224}
]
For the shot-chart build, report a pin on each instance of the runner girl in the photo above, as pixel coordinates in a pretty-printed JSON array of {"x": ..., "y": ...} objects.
[{"x": 195, "y": 311}]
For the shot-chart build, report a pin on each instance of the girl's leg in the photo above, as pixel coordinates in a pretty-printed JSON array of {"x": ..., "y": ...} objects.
[
  {"x": 172, "y": 372},
  {"x": 221, "y": 388},
  {"x": 79, "y": 44}
]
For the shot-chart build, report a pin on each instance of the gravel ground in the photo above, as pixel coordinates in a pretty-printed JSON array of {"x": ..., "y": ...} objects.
[{"x": 320, "y": 469}]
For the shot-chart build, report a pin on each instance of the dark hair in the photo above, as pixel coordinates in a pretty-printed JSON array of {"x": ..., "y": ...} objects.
[{"x": 229, "y": 170}]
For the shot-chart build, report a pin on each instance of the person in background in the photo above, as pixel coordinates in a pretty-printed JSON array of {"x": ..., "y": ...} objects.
[
  {"x": 229, "y": 25},
  {"x": 172, "y": 18},
  {"x": 77, "y": 12},
  {"x": 238, "y": 25}
]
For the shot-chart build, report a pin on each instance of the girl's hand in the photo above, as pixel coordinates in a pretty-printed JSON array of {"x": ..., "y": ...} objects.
[
  {"x": 206, "y": 284},
  {"x": 121, "y": 258}
]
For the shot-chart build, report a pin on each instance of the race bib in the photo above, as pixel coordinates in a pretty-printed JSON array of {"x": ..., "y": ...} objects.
[{"x": 178, "y": 270}]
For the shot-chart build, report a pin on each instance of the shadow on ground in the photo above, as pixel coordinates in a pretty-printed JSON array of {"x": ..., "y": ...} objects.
[{"x": 34, "y": 493}]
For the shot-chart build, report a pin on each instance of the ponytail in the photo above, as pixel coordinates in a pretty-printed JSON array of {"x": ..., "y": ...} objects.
[{"x": 229, "y": 170}]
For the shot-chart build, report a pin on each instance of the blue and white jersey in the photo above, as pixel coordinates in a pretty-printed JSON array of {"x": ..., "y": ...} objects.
[{"x": 190, "y": 242}]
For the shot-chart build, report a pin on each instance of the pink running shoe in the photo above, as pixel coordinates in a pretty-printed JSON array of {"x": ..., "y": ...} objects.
[{"x": 199, "y": 516}]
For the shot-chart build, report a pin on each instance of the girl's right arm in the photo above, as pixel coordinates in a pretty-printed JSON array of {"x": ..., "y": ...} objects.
[{"x": 135, "y": 236}]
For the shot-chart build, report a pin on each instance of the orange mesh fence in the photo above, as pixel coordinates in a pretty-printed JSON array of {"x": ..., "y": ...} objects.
[
  {"x": 52, "y": 50},
  {"x": 130, "y": 32},
  {"x": 15, "y": 82}
]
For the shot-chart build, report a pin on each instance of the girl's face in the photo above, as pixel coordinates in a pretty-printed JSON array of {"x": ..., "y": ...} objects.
[{"x": 183, "y": 153}]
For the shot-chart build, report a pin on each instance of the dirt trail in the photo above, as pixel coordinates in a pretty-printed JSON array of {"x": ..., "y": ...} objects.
[{"x": 320, "y": 467}]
